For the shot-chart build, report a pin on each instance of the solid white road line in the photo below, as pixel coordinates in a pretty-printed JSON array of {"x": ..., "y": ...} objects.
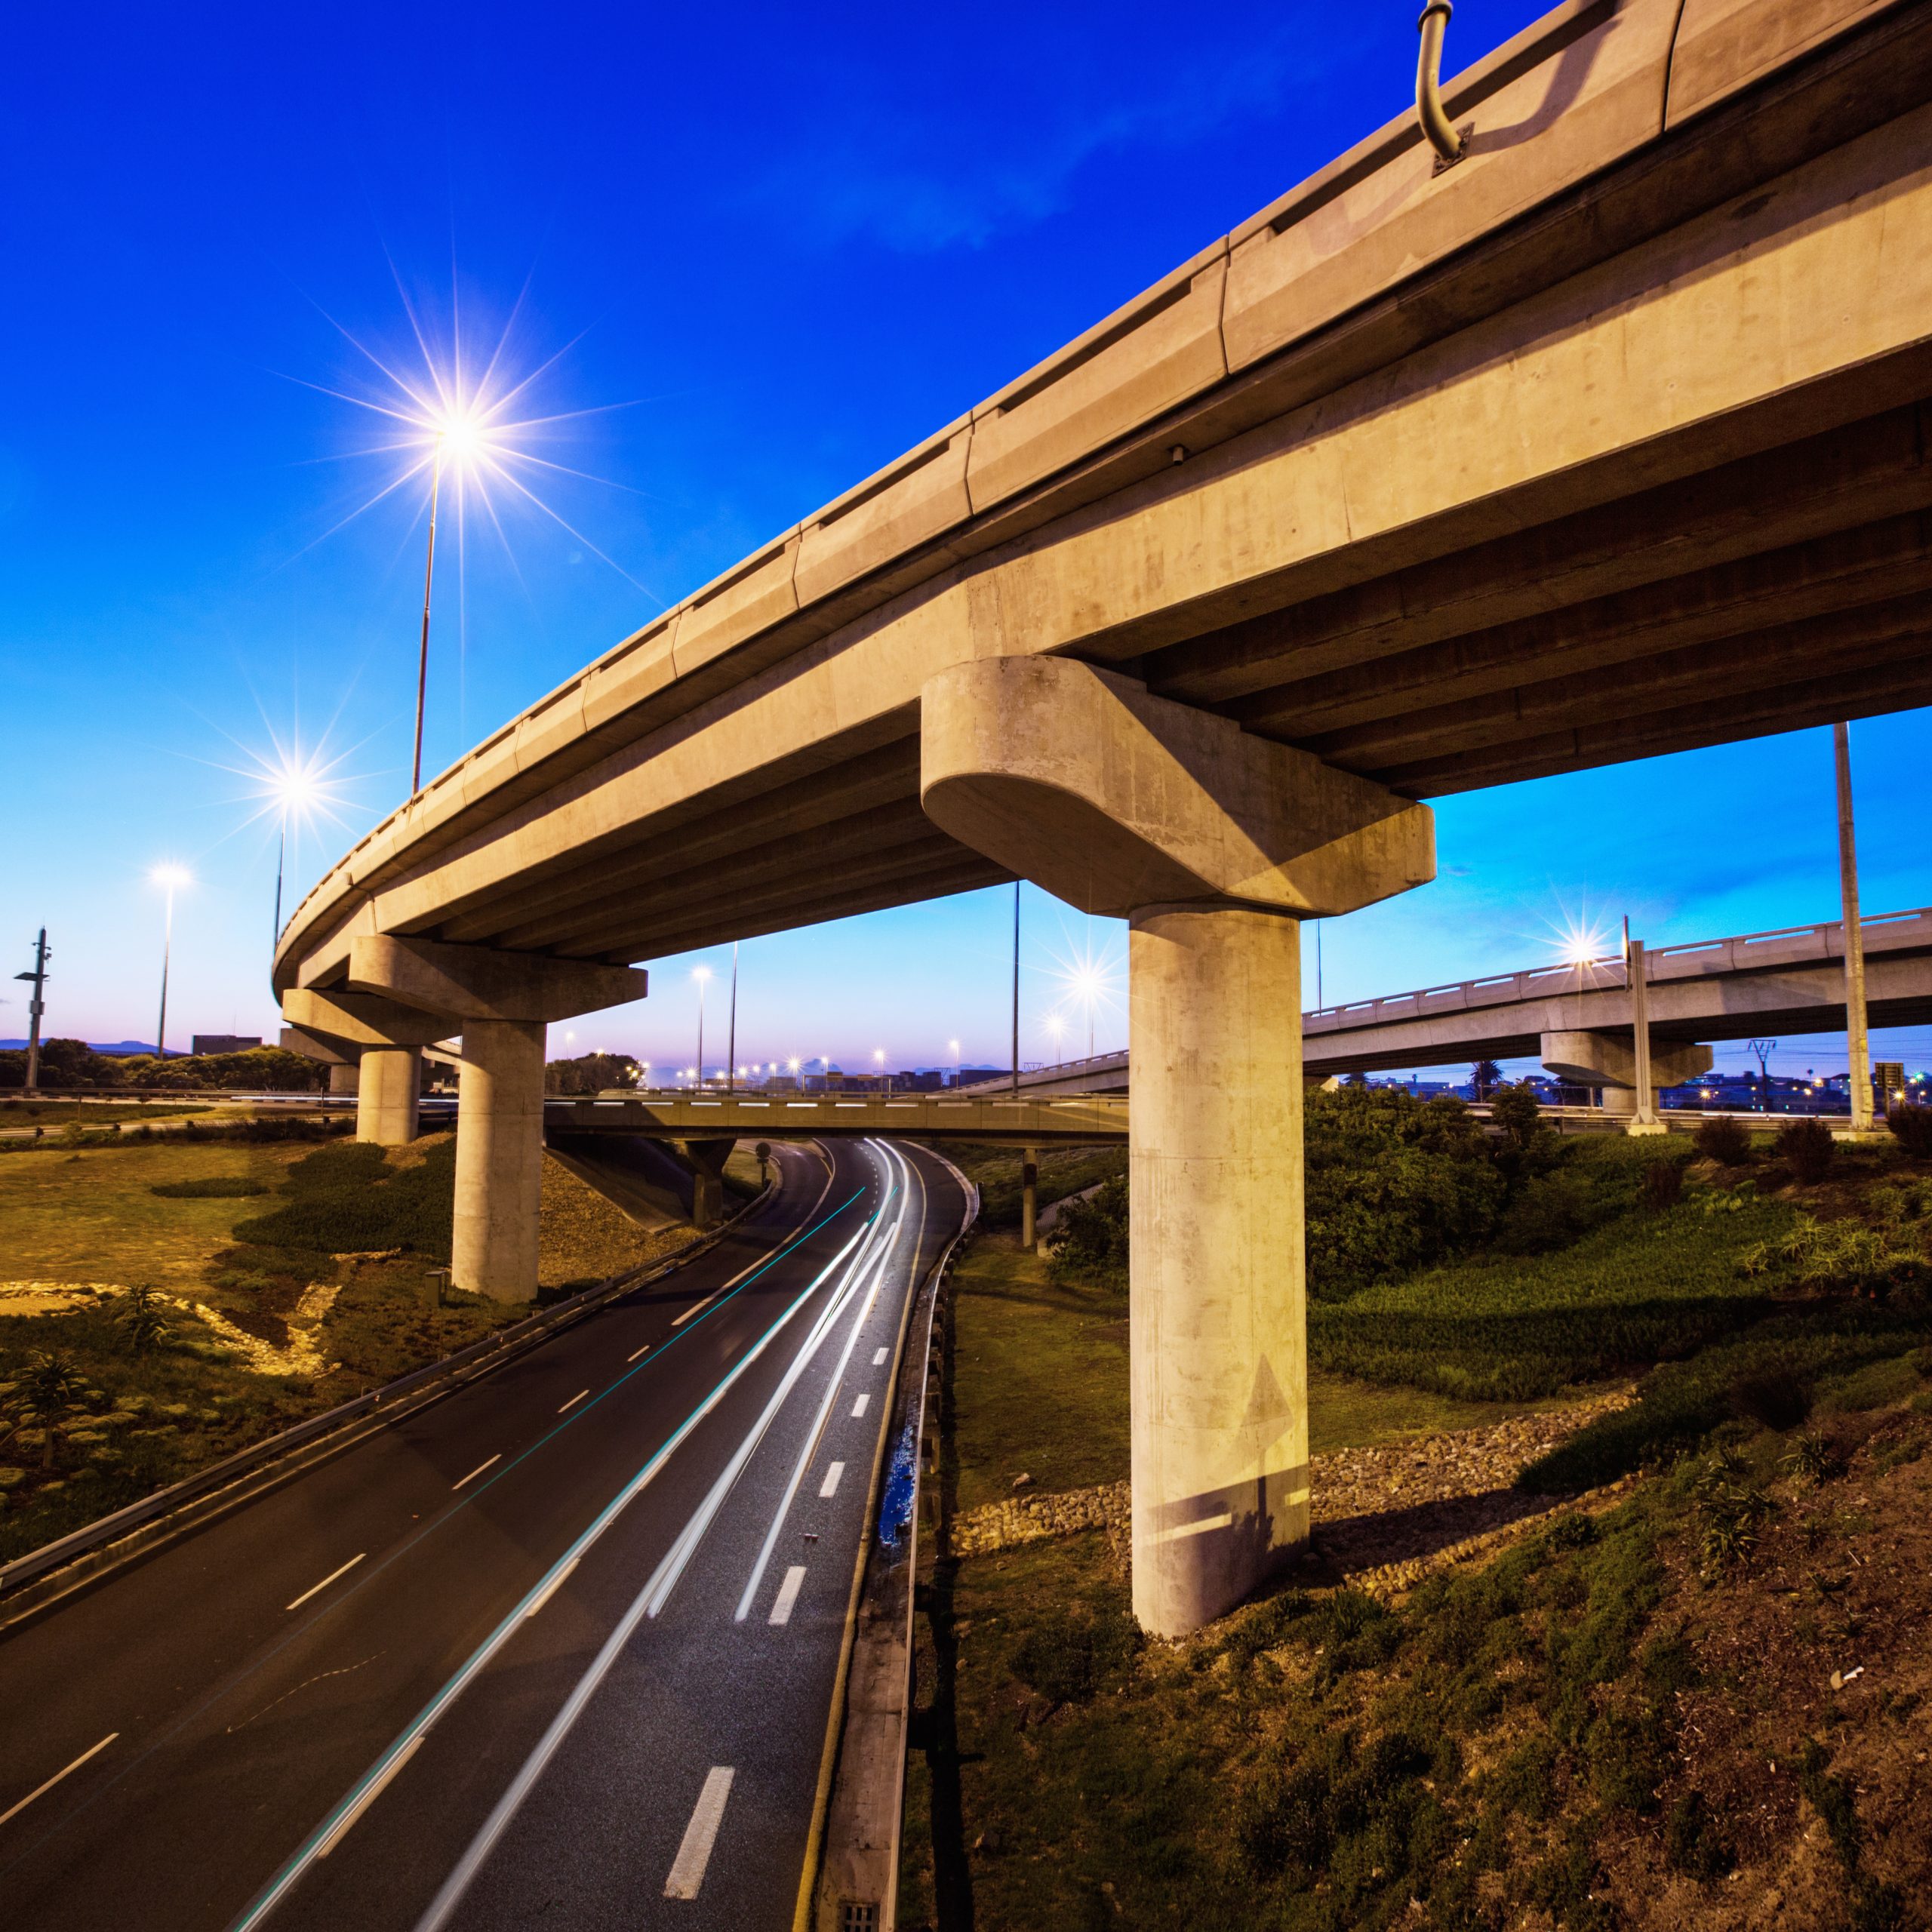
[
  {"x": 830, "y": 1485},
  {"x": 451, "y": 1895},
  {"x": 879, "y": 1357},
  {"x": 327, "y": 1581},
  {"x": 573, "y": 1401},
  {"x": 834, "y": 1382},
  {"x": 478, "y": 1470},
  {"x": 369, "y": 1797},
  {"x": 551, "y": 1588},
  {"x": 644, "y": 1350},
  {"x": 454, "y": 1887},
  {"x": 694, "y": 1854},
  {"x": 859, "y": 1407},
  {"x": 42, "y": 1790},
  {"x": 788, "y": 1594}
]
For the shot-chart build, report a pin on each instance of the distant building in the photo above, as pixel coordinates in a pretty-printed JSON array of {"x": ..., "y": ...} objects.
[{"x": 224, "y": 1043}]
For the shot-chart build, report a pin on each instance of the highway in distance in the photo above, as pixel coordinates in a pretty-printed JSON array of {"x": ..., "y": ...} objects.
[{"x": 558, "y": 1650}]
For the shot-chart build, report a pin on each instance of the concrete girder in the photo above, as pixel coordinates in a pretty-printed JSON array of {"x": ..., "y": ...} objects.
[
  {"x": 1609, "y": 1060},
  {"x": 1113, "y": 799},
  {"x": 502, "y": 1001},
  {"x": 1845, "y": 477},
  {"x": 1214, "y": 843},
  {"x": 384, "y": 1041},
  {"x": 1865, "y": 565},
  {"x": 478, "y": 983}
]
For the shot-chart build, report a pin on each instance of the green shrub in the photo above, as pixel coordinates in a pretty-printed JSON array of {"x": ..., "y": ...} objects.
[
  {"x": 346, "y": 1199},
  {"x": 1068, "y": 1656},
  {"x": 1726, "y": 1142},
  {"x": 1806, "y": 1147},
  {"x": 211, "y": 1187},
  {"x": 1663, "y": 1185},
  {"x": 1911, "y": 1128},
  {"x": 1393, "y": 1183},
  {"x": 1088, "y": 1241}
]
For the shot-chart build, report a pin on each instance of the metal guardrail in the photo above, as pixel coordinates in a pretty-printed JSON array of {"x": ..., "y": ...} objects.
[{"x": 468, "y": 1363}]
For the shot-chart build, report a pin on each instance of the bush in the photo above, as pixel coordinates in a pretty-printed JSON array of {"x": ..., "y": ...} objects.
[
  {"x": 1068, "y": 1657},
  {"x": 1806, "y": 1147},
  {"x": 1911, "y": 1128},
  {"x": 1551, "y": 1211},
  {"x": 1393, "y": 1183},
  {"x": 211, "y": 1187},
  {"x": 1664, "y": 1186},
  {"x": 1726, "y": 1142},
  {"x": 347, "y": 1200},
  {"x": 1088, "y": 1241}
]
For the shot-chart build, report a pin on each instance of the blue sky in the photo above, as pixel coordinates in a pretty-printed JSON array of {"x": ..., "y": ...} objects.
[{"x": 768, "y": 249}]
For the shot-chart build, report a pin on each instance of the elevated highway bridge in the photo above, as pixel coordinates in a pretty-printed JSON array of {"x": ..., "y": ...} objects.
[{"x": 1605, "y": 439}]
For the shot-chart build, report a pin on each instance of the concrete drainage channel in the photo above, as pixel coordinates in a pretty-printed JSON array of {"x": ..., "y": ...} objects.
[
  {"x": 852, "y": 1881},
  {"x": 30, "y": 1583}
]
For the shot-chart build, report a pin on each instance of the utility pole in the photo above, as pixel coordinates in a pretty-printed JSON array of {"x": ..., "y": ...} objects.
[
  {"x": 1857, "y": 1043},
  {"x": 1016, "y": 989},
  {"x": 1638, "y": 975},
  {"x": 731, "y": 1040},
  {"x": 36, "y": 1007}
]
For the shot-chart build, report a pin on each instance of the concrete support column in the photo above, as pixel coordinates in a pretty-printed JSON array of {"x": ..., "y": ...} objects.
[
  {"x": 1029, "y": 1197},
  {"x": 498, "y": 1158},
  {"x": 1217, "y": 1315},
  {"x": 343, "y": 1077},
  {"x": 388, "y": 1080}
]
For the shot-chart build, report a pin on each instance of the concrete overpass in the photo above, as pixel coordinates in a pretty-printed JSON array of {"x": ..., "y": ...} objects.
[
  {"x": 1790, "y": 981},
  {"x": 1606, "y": 440}
]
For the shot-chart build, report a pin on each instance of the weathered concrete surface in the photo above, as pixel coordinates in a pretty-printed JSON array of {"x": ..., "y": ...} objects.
[
  {"x": 388, "y": 1080},
  {"x": 1217, "y": 1315},
  {"x": 499, "y": 1159},
  {"x": 1077, "y": 779},
  {"x": 1552, "y": 459},
  {"x": 1029, "y": 1122},
  {"x": 1787, "y": 982}
]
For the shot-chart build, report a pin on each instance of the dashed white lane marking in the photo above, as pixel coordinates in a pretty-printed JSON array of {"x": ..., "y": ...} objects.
[
  {"x": 42, "y": 1790},
  {"x": 574, "y": 1400},
  {"x": 694, "y": 1853},
  {"x": 696, "y": 1308},
  {"x": 788, "y": 1594},
  {"x": 369, "y": 1797},
  {"x": 859, "y": 1407},
  {"x": 478, "y": 1470},
  {"x": 327, "y": 1580},
  {"x": 644, "y": 1350},
  {"x": 830, "y": 1485},
  {"x": 552, "y": 1586},
  {"x": 878, "y": 1359}
]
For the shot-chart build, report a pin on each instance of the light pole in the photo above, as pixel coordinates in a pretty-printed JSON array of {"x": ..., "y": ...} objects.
[
  {"x": 1016, "y": 989},
  {"x": 954, "y": 1045},
  {"x": 1056, "y": 1026},
  {"x": 1858, "y": 1051},
  {"x": 878, "y": 1055},
  {"x": 702, "y": 975},
  {"x": 458, "y": 437},
  {"x": 168, "y": 878},
  {"x": 36, "y": 1006},
  {"x": 731, "y": 1043}
]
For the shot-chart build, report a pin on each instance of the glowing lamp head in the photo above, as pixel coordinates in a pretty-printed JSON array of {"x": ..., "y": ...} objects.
[
  {"x": 460, "y": 437},
  {"x": 170, "y": 877},
  {"x": 700, "y": 974}
]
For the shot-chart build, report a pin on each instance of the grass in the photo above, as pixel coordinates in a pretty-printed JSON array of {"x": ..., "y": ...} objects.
[
  {"x": 297, "y": 1246},
  {"x": 37, "y": 1113},
  {"x": 1040, "y": 1382},
  {"x": 995, "y": 1171}
]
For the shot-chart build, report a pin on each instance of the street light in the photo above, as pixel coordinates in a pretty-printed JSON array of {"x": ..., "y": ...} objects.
[
  {"x": 295, "y": 788},
  {"x": 168, "y": 878},
  {"x": 461, "y": 438},
  {"x": 702, "y": 975},
  {"x": 954, "y": 1045},
  {"x": 1056, "y": 1026},
  {"x": 878, "y": 1055}
]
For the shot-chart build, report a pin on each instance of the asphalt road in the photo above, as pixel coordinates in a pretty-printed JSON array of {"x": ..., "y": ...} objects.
[{"x": 558, "y": 1650}]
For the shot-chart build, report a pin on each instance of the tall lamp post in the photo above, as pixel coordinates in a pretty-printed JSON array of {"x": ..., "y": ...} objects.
[
  {"x": 1858, "y": 1051},
  {"x": 168, "y": 878},
  {"x": 36, "y": 1006},
  {"x": 458, "y": 438}
]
